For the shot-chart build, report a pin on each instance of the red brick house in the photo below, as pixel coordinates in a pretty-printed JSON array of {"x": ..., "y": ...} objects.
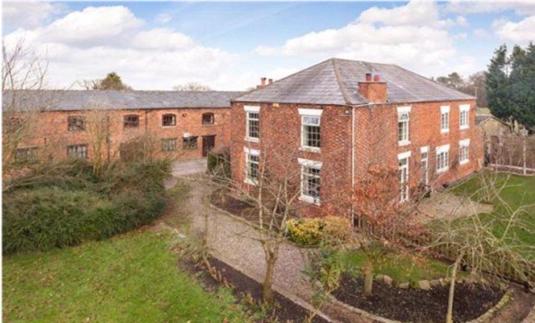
[
  {"x": 185, "y": 125},
  {"x": 339, "y": 117}
]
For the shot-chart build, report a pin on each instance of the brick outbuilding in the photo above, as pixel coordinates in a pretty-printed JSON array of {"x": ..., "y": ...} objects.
[{"x": 334, "y": 120}]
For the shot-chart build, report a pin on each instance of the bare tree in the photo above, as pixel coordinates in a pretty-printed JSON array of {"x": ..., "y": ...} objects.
[
  {"x": 98, "y": 128},
  {"x": 192, "y": 86}
]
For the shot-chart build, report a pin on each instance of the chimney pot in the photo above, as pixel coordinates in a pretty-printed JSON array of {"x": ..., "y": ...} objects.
[
  {"x": 377, "y": 77},
  {"x": 368, "y": 77}
]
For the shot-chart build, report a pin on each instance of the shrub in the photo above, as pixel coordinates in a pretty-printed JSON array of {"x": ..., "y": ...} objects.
[
  {"x": 313, "y": 231},
  {"x": 218, "y": 163}
]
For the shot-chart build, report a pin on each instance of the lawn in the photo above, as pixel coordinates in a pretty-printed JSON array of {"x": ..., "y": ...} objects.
[
  {"x": 130, "y": 278},
  {"x": 517, "y": 191}
]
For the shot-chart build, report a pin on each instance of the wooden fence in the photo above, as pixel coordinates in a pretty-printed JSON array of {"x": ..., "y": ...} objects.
[{"x": 511, "y": 152}]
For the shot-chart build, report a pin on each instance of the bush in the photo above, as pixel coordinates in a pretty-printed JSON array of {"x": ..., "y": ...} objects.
[
  {"x": 218, "y": 163},
  {"x": 40, "y": 215},
  {"x": 313, "y": 231}
]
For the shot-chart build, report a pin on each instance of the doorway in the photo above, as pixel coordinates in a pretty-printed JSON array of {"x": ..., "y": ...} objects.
[{"x": 208, "y": 143}]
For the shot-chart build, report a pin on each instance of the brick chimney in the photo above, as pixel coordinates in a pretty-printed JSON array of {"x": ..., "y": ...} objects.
[
  {"x": 373, "y": 88},
  {"x": 262, "y": 82}
]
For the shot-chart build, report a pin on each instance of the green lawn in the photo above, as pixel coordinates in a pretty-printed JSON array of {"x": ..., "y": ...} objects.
[
  {"x": 129, "y": 278},
  {"x": 517, "y": 191}
]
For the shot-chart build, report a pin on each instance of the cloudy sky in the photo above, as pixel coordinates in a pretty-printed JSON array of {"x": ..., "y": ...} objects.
[{"x": 228, "y": 46}]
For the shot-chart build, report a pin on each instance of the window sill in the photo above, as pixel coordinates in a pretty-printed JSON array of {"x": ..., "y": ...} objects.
[
  {"x": 249, "y": 181},
  {"x": 404, "y": 143},
  {"x": 252, "y": 139},
  {"x": 464, "y": 127},
  {"x": 464, "y": 162},
  {"x": 310, "y": 149},
  {"x": 442, "y": 170},
  {"x": 169, "y": 126},
  {"x": 444, "y": 131},
  {"x": 309, "y": 199}
]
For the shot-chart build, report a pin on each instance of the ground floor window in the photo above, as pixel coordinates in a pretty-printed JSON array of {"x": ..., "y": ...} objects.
[
  {"x": 443, "y": 158},
  {"x": 26, "y": 155},
  {"x": 464, "y": 151},
  {"x": 403, "y": 161},
  {"x": 252, "y": 163},
  {"x": 310, "y": 180},
  {"x": 77, "y": 151},
  {"x": 169, "y": 144},
  {"x": 189, "y": 142},
  {"x": 424, "y": 166}
]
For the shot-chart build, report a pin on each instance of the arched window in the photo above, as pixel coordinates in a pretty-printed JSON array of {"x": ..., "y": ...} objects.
[
  {"x": 169, "y": 120},
  {"x": 208, "y": 118}
]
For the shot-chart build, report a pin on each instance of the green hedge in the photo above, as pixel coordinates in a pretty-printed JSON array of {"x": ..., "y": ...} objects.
[{"x": 41, "y": 215}]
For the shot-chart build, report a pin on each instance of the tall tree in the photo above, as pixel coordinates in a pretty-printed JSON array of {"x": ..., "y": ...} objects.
[{"x": 497, "y": 84}]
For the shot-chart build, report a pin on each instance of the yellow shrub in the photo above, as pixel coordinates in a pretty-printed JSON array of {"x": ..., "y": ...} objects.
[{"x": 312, "y": 231}]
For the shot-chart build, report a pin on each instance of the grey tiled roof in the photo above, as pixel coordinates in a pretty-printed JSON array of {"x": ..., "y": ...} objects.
[
  {"x": 335, "y": 81},
  {"x": 91, "y": 99}
]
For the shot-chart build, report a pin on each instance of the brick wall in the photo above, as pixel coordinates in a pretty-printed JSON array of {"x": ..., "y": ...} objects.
[
  {"x": 51, "y": 135},
  {"x": 376, "y": 141}
]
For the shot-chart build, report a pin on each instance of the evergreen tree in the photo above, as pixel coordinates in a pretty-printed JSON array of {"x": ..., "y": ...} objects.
[{"x": 497, "y": 85}]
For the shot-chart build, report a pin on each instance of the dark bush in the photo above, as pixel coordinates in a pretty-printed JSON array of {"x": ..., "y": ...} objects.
[{"x": 40, "y": 214}]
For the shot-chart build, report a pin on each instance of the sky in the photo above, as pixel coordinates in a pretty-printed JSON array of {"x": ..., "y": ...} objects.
[{"x": 230, "y": 45}]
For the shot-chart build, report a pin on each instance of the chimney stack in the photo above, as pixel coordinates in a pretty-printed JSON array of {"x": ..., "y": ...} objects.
[
  {"x": 270, "y": 81},
  {"x": 373, "y": 88}
]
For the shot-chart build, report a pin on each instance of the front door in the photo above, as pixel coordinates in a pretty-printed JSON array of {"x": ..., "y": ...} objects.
[{"x": 208, "y": 143}]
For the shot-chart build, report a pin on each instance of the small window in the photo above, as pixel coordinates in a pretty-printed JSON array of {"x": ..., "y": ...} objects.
[
  {"x": 252, "y": 161},
  {"x": 169, "y": 120},
  {"x": 403, "y": 128},
  {"x": 131, "y": 121},
  {"x": 76, "y": 123},
  {"x": 169, "y": 144},
  {"x": 189, "y": 143},
  {"x": 464, "y": 116},
  {"x": 442, "y": 158},
  {"x": 464, "y": 151},
  {"x": 26, "y": 155},
  {"x": 77, "y": 151},
  {"x": 444, "y": 119},
  {"x": 208, "y": 118}
]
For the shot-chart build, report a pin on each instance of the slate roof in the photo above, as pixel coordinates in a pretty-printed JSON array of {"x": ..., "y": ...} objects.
[
  {"x": 335, "y": 81},
  {"x": 65, "y": 100}
]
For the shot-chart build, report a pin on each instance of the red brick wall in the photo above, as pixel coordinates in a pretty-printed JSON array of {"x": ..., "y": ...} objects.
[
  {"x": 50, "y": 132},
  {"x": 375, "y": 142}
]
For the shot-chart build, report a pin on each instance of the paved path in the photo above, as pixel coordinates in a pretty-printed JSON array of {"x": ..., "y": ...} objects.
[{"x": 188, "y": 167}]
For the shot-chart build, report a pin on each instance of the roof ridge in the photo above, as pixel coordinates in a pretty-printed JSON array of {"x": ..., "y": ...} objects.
[{"x": 345, "y": 95}]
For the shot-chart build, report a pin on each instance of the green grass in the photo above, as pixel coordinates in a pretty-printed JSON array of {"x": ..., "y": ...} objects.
[
  {"x": 517, "y": 191},
  {"x": 130, "y": 278},
  {"x": 400, "y": 267}
]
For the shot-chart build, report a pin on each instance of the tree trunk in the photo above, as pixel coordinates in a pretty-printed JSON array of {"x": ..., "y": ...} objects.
[
  {"x": 367, "y": 271},
  {"x": 449, "y": 315},
  {"x": 271, "y": 252}
]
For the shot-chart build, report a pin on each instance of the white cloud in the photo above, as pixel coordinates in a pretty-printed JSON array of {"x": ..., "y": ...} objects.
[
  {"x": 89, "y": 43},
  {"x": 28, "y": 13},
  {"x": 163, "y": 18},
  {"x": 521, "y": 32},
  {"x": 481, "y": 33},
  {"x": 520, "y": 7},
  {"x": 410, "y": 35}
]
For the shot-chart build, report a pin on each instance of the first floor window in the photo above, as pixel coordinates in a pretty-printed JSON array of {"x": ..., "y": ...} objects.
[
  {"x": 77, "y": 151},
  {"x": 464, "y": 151},
  {"x": 443, "y": 158},
  {"x": 131, "y": 121},
  {"x": 208, "y": 118},
  {"x": 26, "y": 155},
  {"x": 404, "y": 179},
  {"x": 310, "y": 181},
  {"x": 76, "y": 123},
  {"x": 252, "y": 122},
  {"x": 444, "y": 119},
  {"x": 403, "y": 125},
  {"x": 169, "y": 120},
  {"x": 463, "y": 116},
  {"x": 189, "y": 142},
  {"x": 310, "y": 128},
  {"x": 169, "y": 144},
  {"x": 252, "y": 161}
]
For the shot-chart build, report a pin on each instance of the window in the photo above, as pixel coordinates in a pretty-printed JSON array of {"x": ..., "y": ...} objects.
[
  {"x": 310, "y": 181},
  {"x": 208, "y": 118},
  {"x": 464, "y": 151},
  {"x": 252, "y": 160},
  {"x": 424, "y": 165},
  {"x": 444, "y": 119},
  {"x": 403, "y": 125},
  {"x": 169, "y": 144},
  {"x": 189, "y": 142},
  {"x": 169, "y": 120},
  {"x": 443, "y": 158},
  {"x": 252, "y": 122},
  {"x": 26, "y": 155},
  {"x": 77, "y": 151},
  {"x": 403, "y": 161},
  {"x": 310, "y": 129},
  {"x": 76, "y": 123},
  {"x": 131, "y": 121},
  {"x": 464, "y": 114}
]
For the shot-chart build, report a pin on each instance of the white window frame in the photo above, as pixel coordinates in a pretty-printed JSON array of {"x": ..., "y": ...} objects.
[
  {"x": 425, "y": 149},
  {"x": 402, "y": 111},
  {"x": 445, "y": 109},
  {"x": 251, "y": 109},
  {"x": 305, "y": 163},
  {"x": 404, "y": 175},
  {"x": 445, "y": 149},
  {"x": 314, "y": 113},
  {"x": 250, "y": 152},
  {"x": 464, "y": 109},
  {"x": 465, "y": 143}
]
